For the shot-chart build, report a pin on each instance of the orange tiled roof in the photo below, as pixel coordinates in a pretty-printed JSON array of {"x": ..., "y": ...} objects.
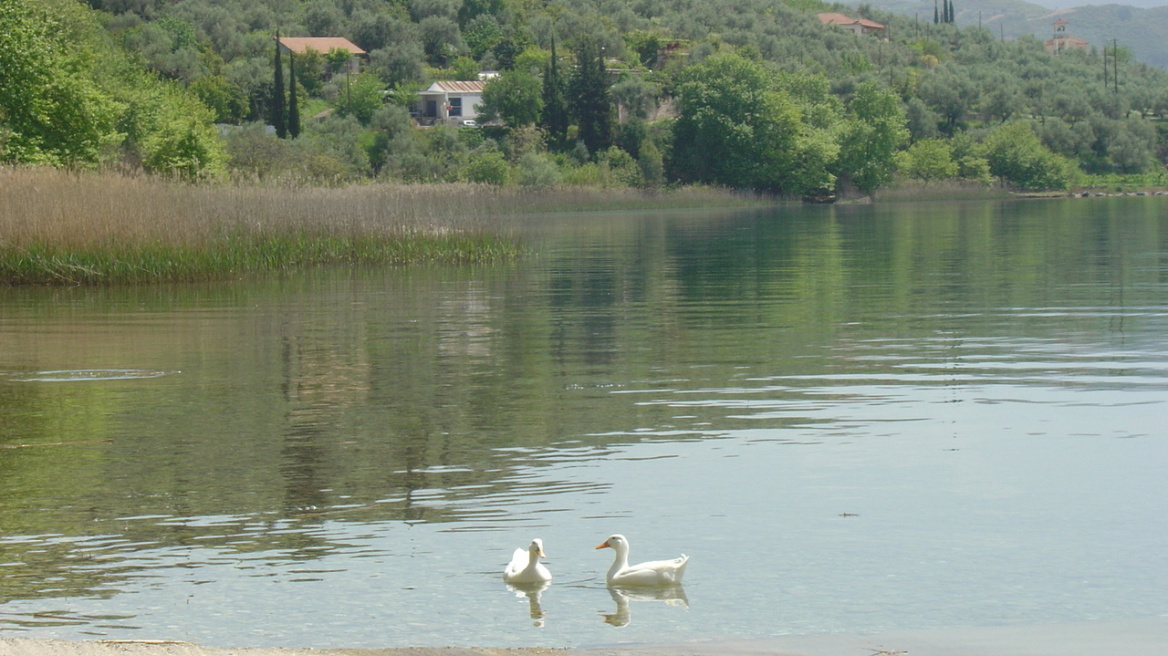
[
  {"x": 321, "y": 44},
  {"x": 840, "y": 19}
]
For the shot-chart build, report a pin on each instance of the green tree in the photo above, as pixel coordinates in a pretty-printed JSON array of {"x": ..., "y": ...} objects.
[
  {"x": 928, "y": 160},
  {"x": 1003, "y": 100},
  {"x": 505, "y": 52},
  {"x": 1015, "y": 155},
  {"x": 441, "y": 39},
  {"x": 310, "y": 71},
  {"x": 339, "y": 61},
  {"x": 225, "y": 98},
  {"x": 363, "y": 95},
  {"x": 646, "y": 44},
  {"x": 1128, "y": 145},
  {"x": 293, "y": 102},
  {"x": 51, "y": 110},
  {"x": 399, "y": 64},
  {"x": 871, "y": 137},
  {"x": 733, "y": 128},
  {"x": 652, "y": 164},
  {"x": 554, "y": 118},
  {"x": 589, "y": 95},
  {"x": 514, "y": 97},
  {"x": 970, "y": 160},
  {"x": 920, "y": 120},
  {"x": 472, "y": 9},
  {"x": 465, "y": 68},
  {"x": 169, "y": 131},
  {"x": 951, "y": 93},
  {"x": 279, "y": 113},
  {"x": 482, "y": 34},
  {"x": 636, "y": 95}
]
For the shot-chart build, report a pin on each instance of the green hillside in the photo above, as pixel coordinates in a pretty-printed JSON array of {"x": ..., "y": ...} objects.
[
  {"x": 753, "y": 94},
  {"x": 1142, "y": 31}
]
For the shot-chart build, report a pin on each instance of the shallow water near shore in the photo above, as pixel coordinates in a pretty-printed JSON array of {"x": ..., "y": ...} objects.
[{"x": 853, "y": 419}]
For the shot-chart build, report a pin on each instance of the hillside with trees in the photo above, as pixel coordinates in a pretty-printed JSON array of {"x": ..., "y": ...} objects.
[
  {"x": 741, "y": 93},
  {"x": 1141, "y": 32}
]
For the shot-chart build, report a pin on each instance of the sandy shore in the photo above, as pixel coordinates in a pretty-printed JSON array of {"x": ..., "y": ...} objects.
[{"x": 1146, "y": 637}]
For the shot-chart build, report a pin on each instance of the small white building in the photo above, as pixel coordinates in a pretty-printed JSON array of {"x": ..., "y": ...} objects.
[{"x": 449, "y": 103}]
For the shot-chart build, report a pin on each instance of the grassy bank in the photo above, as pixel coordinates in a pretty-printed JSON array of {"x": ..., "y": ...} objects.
[{"x": 62, "y": 228}]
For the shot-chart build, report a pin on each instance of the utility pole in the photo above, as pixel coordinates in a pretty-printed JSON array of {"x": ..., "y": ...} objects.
[
  {"x": 1115, "y": 64},
  {"x": 1105, "y": 81}
]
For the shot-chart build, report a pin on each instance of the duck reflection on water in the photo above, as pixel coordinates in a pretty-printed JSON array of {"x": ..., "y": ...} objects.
[
  {"x": 674, "y": 595},
  {"x": 533, "y": 592}
]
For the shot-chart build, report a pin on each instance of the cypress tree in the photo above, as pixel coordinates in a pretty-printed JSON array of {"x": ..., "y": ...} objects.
[
  {"x": 555, "y": 110},
  {"x": 279, "y": 116},
  {"x": 936, "y": 16},
  {"x": 590, "y": 96},
  {"x": 293, "y": 103}
]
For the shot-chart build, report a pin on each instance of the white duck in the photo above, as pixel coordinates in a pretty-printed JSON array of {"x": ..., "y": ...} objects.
[
  {"x": 656, "y": 572},
  {"x": 525, "y": 566}
]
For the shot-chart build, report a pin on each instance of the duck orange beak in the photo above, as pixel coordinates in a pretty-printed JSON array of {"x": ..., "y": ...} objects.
[{"x": 602, "y": 546}]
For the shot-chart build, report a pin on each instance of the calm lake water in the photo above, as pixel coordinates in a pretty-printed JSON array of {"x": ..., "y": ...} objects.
[{"x": 852, "y": 419}]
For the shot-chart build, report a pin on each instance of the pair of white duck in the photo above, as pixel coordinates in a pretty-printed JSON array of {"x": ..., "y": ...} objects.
[{"x": 526, "y": 568}]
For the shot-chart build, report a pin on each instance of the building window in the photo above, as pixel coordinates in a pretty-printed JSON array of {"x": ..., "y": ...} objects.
[{"x": 456, "y": 106}]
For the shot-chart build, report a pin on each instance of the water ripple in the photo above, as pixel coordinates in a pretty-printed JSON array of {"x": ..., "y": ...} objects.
[{"x": 86, "y": 375}]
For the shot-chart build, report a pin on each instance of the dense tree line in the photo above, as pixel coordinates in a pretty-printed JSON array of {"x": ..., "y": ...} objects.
[
  {"x": 69, "y": 97},
  {"x": 745, "y": 93}
]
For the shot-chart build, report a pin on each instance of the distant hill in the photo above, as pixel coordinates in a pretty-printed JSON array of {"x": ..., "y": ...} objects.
[
  {"x": 1142, "y": 31},
  {"x": 1070, "y": 4}
]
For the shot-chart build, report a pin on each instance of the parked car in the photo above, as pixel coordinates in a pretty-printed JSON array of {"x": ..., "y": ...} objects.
[{"x": 469, "y": 123}]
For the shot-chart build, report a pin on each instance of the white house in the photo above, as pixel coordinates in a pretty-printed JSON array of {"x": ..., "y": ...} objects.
[{"x": 449, "y": 103}]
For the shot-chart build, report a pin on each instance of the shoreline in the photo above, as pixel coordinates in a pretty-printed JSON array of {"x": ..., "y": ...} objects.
[{"x": 1140, "y": 637}]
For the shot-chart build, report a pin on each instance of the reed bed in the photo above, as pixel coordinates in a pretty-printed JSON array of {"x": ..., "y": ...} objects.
[{"x": 58, "y": 227}]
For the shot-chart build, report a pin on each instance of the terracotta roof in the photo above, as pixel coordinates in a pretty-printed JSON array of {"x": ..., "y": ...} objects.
[
  {"x": 840, "y": 19},
  {"x": 321, "y": 44},
  {"x": 452, "y": 86}
]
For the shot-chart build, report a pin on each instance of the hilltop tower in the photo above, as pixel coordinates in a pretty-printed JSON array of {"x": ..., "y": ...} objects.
[{"x": 1061, "y": 41}]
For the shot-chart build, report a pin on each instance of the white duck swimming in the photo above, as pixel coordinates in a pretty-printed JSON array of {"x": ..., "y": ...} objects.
[
  {"x": 525, "y": 566},
  {"x": 656, "y": 572}
]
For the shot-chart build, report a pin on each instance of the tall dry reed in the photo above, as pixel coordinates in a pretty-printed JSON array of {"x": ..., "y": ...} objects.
[
  {"x": 57, "y": 226},
  {"x": 62, "y": 227}
]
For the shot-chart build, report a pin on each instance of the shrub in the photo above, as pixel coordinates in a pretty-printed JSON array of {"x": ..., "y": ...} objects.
[
  {"x": 538, "y": 170},
  {"x": 489, "y": 167}
]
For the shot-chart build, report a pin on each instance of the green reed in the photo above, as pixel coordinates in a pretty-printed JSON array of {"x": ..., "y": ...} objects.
[{"x": 61, "y": 228}]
